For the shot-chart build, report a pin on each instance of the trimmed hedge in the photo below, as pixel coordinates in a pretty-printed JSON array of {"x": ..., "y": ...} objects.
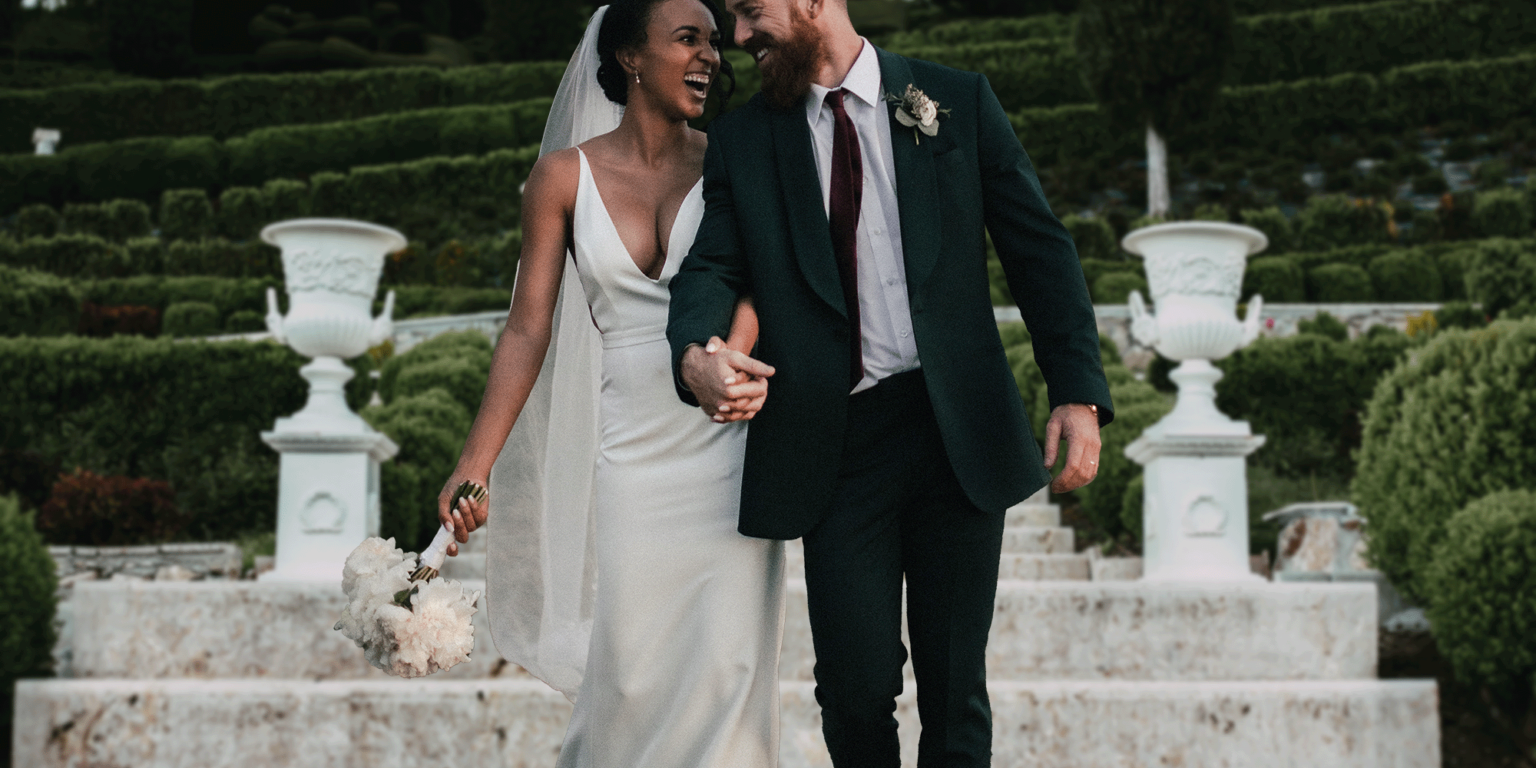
[
  {"x": 1481, "y": 585},
  {"x": 1405, "y": 276},
  {"x": 1339, "y": 284},
  {"x": 1094, "y": 238},
  {"x": 431, "y": 393},
  {"x": 1269, "y": 117},
  {"x": 1448, "y": 426},
  {"x": 1116, "y": 287},
  {"x": 190, "y": 318},
  {"x": 231, "y": 106},
  {"x": 1376, "y": 36},
  {"x": 983, "y": 30},
  {"x": 90, "y": 257},
  {"x": 1023, "y": 73},
  {"x": 1501, "y": 274},
  {"x": 28, "y": 587},
  {"x": 37, "y": 303},
  {"x": 1277, "y": 278},
  {"x": 145, "y": 168},
  {"x": 188, "y": 413},
  {"x": 1305, "y": 393},
  {"x": 117, "y": 221},
  {"x": 1502, "y": 213}
]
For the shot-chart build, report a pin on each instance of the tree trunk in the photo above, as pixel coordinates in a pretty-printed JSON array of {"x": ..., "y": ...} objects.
[{"x": 1157, "y": 175}]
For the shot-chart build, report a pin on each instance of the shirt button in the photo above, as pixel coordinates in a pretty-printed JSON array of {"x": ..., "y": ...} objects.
[
  {"x": 879, "y": 231},
  {"x": 904, "y": 334},
  {"x": 890, "y": 281}
]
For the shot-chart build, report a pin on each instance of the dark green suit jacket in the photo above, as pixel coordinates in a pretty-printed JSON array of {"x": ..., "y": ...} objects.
[{"x": 765, "y": 233}]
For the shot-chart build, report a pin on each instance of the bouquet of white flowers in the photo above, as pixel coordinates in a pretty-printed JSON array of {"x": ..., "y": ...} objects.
[{"x": 407, "y": 621}]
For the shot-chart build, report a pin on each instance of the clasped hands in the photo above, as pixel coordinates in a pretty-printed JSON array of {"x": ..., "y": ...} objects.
[{"x": 729, "y": 385}]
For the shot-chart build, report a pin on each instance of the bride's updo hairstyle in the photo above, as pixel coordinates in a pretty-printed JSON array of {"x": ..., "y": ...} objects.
[{"x": 624, "y": 27}]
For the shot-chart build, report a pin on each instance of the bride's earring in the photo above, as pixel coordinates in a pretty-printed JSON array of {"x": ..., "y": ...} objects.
[{"x": 637, "y": 78}]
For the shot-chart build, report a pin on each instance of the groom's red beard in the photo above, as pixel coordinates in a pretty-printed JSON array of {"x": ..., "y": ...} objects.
[{"x": 792, "y": 62}]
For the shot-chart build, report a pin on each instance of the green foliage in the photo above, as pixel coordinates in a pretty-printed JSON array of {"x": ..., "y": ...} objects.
[
  {"x": 983, "y": 30},
  {"x": 1332, "y": 41},
  {"x": 1211, "y": 212},
  {"x": 1405, "y": 276},
  {"x": 1116, "y": 287},
  {"x": 1481, "y": 585},
  {"x": 1501, "y": 274},
  {"x": 27, "y": 590},
  {"x": 1305, "y": 393},
  {"x": 284, "y": 199},
  {"x": 1137, "y": 406},
  {"x": 186, "y": 413},
  {"x": 37, "y": 221},
  {"x": 1325, "y": 325},
  {"x": 222, "y": 107},
  {"x": 1094, "y": 269},
  {"x": 521, "y": 30},
  {"x": 1094, "y": 237},
  {"x": 1275, "y": 226},
  {"x": 1331, "y": 221},
  {"x": 1133, "y": 506},
  {"x": 37, "y": 304},
  {"x": 242, "y": 213},
  {"x": 1459, "y": 314},
  {"x": 190, "y": 318},
  {"x": 245, "y": 321},
  {"x": 1502, "y": 213},
  {"x": 1446, "y": 427},
  {"x": 1277, "y": 278},
  {"x": 125, "y": 220},
  {"x": 297, "y": 151},
  {"x": 146, "y": 256},
  {"x": 1123, "y": 49},
  {"x": 1023, "y": 73},
  {"x": 1339, "y": 284},
  {"x": 425, "y": 390},
  {"x": 185, "y": 214},
  {"x": 73, "y": 255}
]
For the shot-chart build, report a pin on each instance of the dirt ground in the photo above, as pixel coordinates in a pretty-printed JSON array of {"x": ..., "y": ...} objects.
[{"x": 1469, "y": 737}]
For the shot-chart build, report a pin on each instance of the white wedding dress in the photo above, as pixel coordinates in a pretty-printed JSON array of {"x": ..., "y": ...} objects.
[{"x": 683, "y": 661}]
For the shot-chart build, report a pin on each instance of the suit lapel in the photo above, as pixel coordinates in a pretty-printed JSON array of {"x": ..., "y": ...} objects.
[
  {"x": 917, "y": 184},
  {"x": 802, "y": 199}
]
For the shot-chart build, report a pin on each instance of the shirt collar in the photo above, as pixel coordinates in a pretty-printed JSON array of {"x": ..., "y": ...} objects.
[{"x": 862, "y": 80}]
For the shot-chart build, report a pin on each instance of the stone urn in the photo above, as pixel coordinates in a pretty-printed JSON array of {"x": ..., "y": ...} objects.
[
  {"x": 328, "y": 484},
  {"x": 331, "y": 271},
  {"x": 1195, "y": 508}
]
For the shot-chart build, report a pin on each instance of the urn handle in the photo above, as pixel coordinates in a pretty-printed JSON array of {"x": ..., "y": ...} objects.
[
  {"x": 384, "y": 324},
  {"x": 1143, "y": 324},
  {"x": 1251, "y": 322},
  {"x": 274, "y": 317}
]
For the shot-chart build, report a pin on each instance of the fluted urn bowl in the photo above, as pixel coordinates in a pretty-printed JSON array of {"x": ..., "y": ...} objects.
[
  {"x": 1195, "y": 275},
  {"x": 331, "y": 270}
]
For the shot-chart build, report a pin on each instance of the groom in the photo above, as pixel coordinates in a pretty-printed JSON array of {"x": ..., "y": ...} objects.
[{"x": 892, "y": 437}]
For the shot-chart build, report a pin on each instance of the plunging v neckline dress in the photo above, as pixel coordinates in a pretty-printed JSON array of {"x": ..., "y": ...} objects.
[{"x": 682, "y": 669}]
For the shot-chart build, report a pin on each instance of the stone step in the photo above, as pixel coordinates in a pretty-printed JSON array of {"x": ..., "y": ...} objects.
[
  {"x": 1037, "y": 515},
  {"x": 388, "y": 723},
  {"x": 1039, "y": 540},
  {"x": 1041, "y": 630},
  {"x": 1025, "y": 567}
]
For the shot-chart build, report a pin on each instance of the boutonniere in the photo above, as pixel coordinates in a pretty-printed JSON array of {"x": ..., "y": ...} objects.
[{"x": 916, "y": 111}]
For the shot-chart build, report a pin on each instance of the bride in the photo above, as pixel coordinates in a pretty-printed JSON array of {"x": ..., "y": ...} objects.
[{"x": 615, "y": 571}]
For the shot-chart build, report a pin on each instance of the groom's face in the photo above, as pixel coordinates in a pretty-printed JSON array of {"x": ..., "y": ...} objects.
[{"x": 788, "y": 45}]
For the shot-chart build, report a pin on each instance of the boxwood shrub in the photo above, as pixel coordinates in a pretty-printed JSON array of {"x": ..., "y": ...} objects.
[
  {"x": 1502, "y": 213},
  {"x": 190, "y": 318},
  {"x": 1339, "y": 284},
  {"x": 1443, "y": 429},
  {"x": 27, "y": 592},
  {"x": 37, "y": 303},
  {"x": 1501, "y": 274},
  {"x": 1405, "y": 276},
  {"x": 1481, "y": 586},
  {"x": 1277, "y": 278}
]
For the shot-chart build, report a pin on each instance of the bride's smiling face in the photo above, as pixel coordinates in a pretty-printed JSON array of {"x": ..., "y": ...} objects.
[{"x": 679, "y": 60}]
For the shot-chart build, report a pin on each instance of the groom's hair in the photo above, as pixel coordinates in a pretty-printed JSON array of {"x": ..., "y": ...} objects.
[{"x": 624, "y": 27}]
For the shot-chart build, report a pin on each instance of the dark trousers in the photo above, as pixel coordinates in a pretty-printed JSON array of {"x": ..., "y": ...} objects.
[{"x": 900, "y": 511}]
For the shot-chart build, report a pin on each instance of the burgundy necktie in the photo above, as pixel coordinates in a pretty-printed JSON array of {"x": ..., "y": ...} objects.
[{"x": 847, "y": 194}]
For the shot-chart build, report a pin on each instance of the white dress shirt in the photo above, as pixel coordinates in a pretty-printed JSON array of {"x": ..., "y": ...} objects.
[{"x": 885, "y": 317}]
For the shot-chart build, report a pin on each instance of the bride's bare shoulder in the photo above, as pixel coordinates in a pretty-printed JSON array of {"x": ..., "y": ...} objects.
[{"x": 554, "y": 178}]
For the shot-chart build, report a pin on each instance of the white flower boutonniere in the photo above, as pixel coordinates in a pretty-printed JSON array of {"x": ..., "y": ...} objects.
[{"x": 916, "y": 111}]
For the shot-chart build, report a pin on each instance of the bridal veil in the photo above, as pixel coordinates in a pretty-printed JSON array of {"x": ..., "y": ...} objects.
[{"x": 541, "y": 570}]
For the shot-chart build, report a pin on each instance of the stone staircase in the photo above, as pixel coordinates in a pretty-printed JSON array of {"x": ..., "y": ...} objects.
[{"x": 1083, "y": 675}]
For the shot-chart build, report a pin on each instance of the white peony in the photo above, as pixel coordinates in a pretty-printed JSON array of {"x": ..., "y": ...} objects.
[
  {"x": 431, "y": 635},
  {"x": 927, "y": 111}
]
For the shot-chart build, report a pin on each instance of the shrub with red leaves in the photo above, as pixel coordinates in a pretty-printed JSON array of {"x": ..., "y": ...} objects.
[
  {"x": 94, "y": 510},
  {"x": 107, "y": 320}
]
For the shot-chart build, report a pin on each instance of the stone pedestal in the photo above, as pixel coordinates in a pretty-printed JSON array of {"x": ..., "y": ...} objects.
[
  {"x": 1195, "y": 512},
  {"x": 328, "y": 500}
]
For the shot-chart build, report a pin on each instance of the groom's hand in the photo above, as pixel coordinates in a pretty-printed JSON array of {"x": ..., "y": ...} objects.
[
  {"x": 729, "y": 385},
  {"x": 1078, "y": 424}
]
